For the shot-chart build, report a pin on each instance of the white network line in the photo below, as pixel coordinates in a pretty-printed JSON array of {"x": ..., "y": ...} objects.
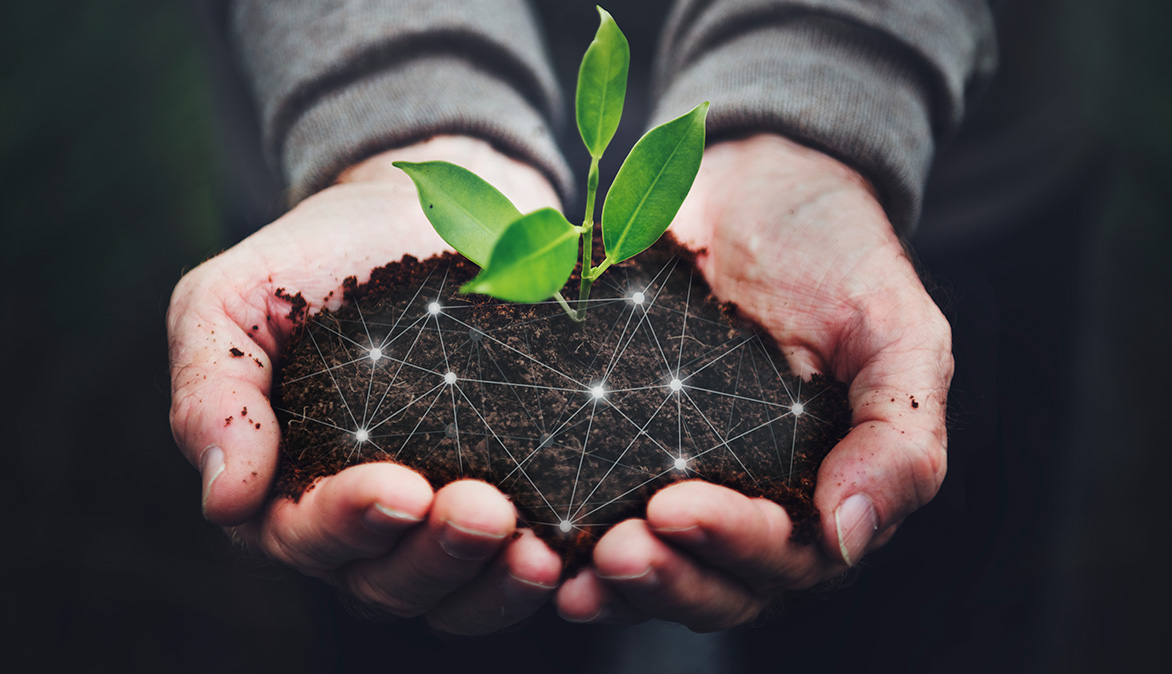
[{"x": 573, "y": 396}]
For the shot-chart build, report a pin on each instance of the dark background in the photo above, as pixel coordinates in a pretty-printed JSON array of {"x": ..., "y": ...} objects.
[{"x": 121, "y": 168}]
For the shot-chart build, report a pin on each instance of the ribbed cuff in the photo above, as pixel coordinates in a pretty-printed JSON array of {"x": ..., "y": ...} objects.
[
  {"x": 410, "y": 102},
  {"x": 824, "y": 83},
  {"x": 339, "y": 81}
]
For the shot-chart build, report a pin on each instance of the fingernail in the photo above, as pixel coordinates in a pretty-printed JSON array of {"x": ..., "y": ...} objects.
[
  {"x": 381, "y": 519},
  {"x": 693, "y": 535},
  {"x": 599, "y": 616},
  {"x": 647, "y": 579},
  {"x": 521, "y": 590},
  {"x": 856, "y": 523},
  {"x": 211, "y": 464},
  {"x": 468, "y": 545}
]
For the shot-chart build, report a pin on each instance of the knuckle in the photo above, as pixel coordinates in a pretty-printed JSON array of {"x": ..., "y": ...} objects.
[
  {"x": 363, "y": 589},
  {"x": 279, "y": 550},
  {"x": 927, "y": 466},
  {"x": 289, "y": 553},
  {"x": 182, "y": 414}
]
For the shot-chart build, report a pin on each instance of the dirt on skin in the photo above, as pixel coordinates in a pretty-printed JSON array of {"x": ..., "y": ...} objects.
[{"x": 474, "y": 388}]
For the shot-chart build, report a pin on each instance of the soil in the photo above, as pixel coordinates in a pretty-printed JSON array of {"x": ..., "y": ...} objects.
[{"x": 517, "y": 408}]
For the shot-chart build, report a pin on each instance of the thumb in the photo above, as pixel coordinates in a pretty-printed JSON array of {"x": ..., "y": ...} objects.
[
  {"x": 894, "y": 458},
  {"x": 221, "y": 417}
]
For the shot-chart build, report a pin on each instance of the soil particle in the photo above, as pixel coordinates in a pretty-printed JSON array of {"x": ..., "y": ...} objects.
[
  {"x": 915, "y": 404},
  {"x": 236, "y": 353},
  {"x": 298, "y": 307},
  {"x": 227, "y": 421}
]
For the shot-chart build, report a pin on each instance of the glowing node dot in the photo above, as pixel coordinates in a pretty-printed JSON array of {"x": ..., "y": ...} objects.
[
  {"x": 797, "y": 409},
  {"x": 675, "y": 384},
  {"x": 565, "y": 526},
  {"x": 638, "y": 298},
  {"x": 597, "y": 392},
  {"x": 433, "y": 308},
  {"x": 681, "y": 463},
  {"x": 361, "y": 435},
  {"x": 376, "y": 354},
  {"x": 450, "y": 378}
]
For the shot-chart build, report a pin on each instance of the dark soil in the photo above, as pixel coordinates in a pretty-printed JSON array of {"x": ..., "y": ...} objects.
[{"x": 521, "y": 415}]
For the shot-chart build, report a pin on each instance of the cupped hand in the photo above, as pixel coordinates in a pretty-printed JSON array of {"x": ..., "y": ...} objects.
[
  {"x": 801, "y": 245},
  {"x": 377, "y": 530}
]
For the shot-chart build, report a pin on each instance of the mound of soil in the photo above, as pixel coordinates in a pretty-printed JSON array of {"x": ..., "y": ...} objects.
[{"x": 578, "y": 423}]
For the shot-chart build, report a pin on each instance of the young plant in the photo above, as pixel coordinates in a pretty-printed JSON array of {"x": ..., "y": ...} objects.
[{"x": 530, "y": 257}]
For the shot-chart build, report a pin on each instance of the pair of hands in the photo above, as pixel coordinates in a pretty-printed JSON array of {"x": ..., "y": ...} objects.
[{"x": 791, "y": 236}]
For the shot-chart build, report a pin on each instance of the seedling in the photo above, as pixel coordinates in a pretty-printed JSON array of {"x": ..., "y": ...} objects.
[{"x": 530, "y": 257}]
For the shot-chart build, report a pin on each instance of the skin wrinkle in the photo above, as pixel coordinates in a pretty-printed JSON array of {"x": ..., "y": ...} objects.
[
  {"x": 361, "y": 587},
  {"x": 275, "y": 546},
  {"x": 729, "y": 601},
  {"x": 866, "y": 324}
]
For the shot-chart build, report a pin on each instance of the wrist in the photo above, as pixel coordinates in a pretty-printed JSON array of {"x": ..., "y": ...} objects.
[
  {"x": 763, "y": 182},
  {"x": 799, "y": 167}
]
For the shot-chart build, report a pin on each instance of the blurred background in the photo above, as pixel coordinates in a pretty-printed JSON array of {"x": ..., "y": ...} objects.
[{"x": 124, "y": 161}]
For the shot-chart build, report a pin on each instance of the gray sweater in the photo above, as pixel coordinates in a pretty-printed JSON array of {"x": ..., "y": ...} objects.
[{"x": 877, "y": 84}]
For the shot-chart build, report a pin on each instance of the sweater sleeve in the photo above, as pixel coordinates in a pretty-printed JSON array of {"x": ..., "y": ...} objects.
[
  {"x": 877, "y": 84},
  {"x": 337, "y": 81}
]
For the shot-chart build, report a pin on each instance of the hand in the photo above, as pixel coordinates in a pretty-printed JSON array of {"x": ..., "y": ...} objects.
[
  {"x": 376, "y": 529},
  {"x": 800, "y": 244}
]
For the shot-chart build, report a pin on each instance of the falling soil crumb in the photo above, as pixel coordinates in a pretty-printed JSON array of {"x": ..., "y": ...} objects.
[
  {"x": 258, "y": 363},
  {"x": 227, "y": 422},
  {"x": 236, "y": 353},
  {"x": 915, "y": 405},
  {"x": 255, "y": 328},
  {"x": 258, "y": 425},
  {"x": 244, "y": 412}
]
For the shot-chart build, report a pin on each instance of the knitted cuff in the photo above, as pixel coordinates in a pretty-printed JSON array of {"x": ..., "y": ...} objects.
[
  {"x": 340, "y": 81},
  {"x": 874, "y": 84}
]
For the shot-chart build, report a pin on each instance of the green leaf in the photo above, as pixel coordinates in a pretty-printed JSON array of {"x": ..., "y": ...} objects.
[
  {"x": 651, "y": 185},
  {"x": 531, "y": 261},
  {"x": 602, "y": 85},
  {"x": 465, "y": 210}
]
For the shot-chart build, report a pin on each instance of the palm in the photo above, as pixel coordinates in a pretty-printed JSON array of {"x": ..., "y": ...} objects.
[
  {"x": 376, "y": 529},
  {"x": 799, "y": 244}
]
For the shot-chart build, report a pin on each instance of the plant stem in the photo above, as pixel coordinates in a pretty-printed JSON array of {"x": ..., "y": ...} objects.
[
  {"x": 566, "y": 307},
  {"x": 597, "y": 271},
  {"x": 587, "y": 241}
]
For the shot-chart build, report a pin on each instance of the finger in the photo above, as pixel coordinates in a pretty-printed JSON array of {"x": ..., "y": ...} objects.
[
  {"x": 748, "y": 538},
  {"x": 520, "y": 581},
  {"x": 895, "y": 457},
  {"x": 665, "y": 583},
  {"x": 357, "y": 514},
  {"x": 220, "y": 376},
  {"x": 469, "y": 522},
  {"x": 586, "y": 598}
]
